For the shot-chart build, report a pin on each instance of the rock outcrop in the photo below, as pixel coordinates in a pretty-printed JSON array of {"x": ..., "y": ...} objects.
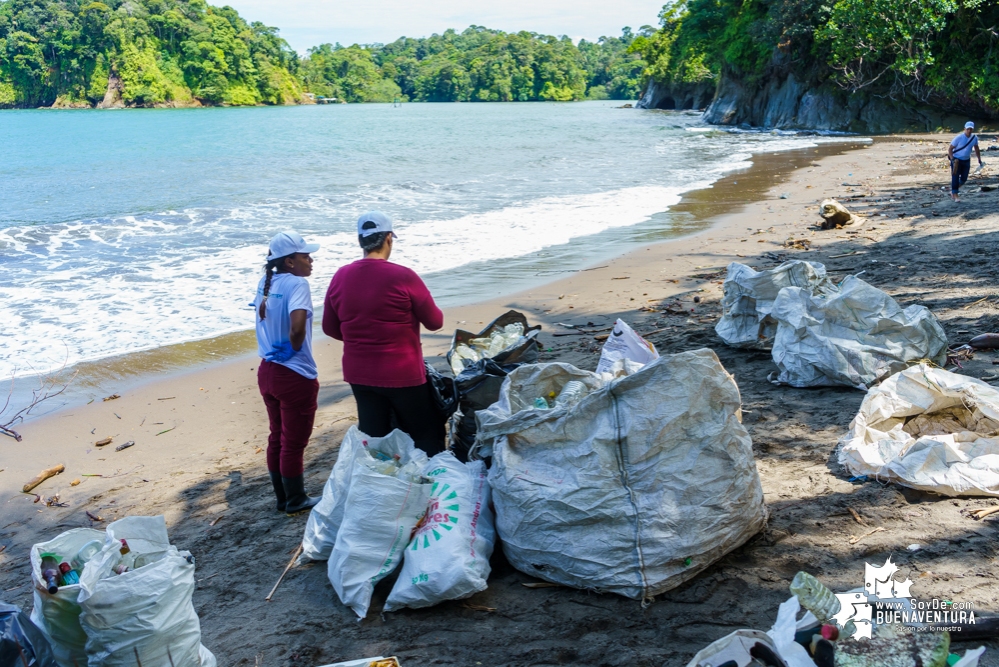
[
  {"x": 787, "y": 103},
  {"x": 112, "y": 97},
  {"x": 678, "y": 96}
]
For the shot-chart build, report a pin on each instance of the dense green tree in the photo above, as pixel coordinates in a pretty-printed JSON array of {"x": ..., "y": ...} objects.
[
  {"x": 939, "y": 51},
  {"x": 163, "y": 52},
  {"x": 148, "y": 51},
  {"x": 478, "y": 65}
]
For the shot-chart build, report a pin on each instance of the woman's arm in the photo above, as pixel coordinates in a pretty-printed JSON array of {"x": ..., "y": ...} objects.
[
  {"x": 331, "y": 321},
  {"x": 299, "y": 320},
  {"x": 424, "y": 308}
]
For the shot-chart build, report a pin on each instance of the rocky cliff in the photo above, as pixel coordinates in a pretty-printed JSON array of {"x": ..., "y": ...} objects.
[{"x": 786, "y": 103}]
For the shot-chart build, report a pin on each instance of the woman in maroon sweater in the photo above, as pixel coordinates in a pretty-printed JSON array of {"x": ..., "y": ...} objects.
[{"x": 376, "y": 308}]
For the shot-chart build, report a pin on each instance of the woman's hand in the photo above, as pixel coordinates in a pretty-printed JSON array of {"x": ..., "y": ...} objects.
[{"x": 280, "y": 353}]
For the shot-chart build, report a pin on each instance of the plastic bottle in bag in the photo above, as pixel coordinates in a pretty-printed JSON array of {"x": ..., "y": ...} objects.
[
  {"x": 571, "y": 393},
  {"x": 86, "y": 552},
  {"x": 540, "y": 403},
  {"x": 815, "y": 596},
  {"x": 69, "y": 576},
  {"x": 50, "y": 572}
]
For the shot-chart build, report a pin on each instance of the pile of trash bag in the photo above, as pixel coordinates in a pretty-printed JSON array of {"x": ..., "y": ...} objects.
[
  {"x": 750, "y": 295},
  {"x": 930, "y": 429},
  {"x": 633, "y": 487},
  {"x": 103, "y": 598},
  {"x": 480, "y": 363},
  {"x": 856, "y": 336},
  {"x": 385, "y": 505}
]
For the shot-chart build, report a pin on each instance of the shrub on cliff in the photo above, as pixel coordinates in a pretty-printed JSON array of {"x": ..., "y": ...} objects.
[{"x": 936, "y": 51}]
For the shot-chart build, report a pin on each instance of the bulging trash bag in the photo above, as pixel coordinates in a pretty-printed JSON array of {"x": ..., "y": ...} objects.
[
  {"x": 448, "y": 556},
  {"x": 58, "y": 615},
  {"x": 636, "y": 488},
  {"x": 385, "y": 500},
  {"x": 147, "y": 610},
  {"x": 928, "y": 429},
  {"x": 478, "y": 377},
  {"x": 749, "y": 298},
  {"x": 326, "y": 517},
  {"x": 855, "y": 337},
  {"x": 22, "y": 644}
]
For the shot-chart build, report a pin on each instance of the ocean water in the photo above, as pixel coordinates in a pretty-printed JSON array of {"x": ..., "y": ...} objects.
[{"x": 123, "y": 231}]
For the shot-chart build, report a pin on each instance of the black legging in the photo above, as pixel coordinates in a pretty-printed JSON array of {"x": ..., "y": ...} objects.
[{"x": 414, "y": 410}]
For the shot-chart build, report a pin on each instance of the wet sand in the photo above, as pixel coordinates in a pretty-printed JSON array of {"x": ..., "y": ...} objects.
[{"x": 199, "y": 436}]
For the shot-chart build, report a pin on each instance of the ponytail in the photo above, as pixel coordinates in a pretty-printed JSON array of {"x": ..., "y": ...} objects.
[{"x": 271, "y": 266}]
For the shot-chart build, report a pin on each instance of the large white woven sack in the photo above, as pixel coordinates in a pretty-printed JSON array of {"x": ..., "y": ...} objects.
[
  {"x": 379, "y": 517},
  {"x": 637, "y": 488},
  {"x": 58, "y": 615},
  {"x": 749, "y": 298},
  {"x": 448, "y": 556},
  {"x": 855, "y": 337},
  {"x": 146, "y": 611},
  {"x": 928, "y": 429},
  {"x": 325, "y": 518}
]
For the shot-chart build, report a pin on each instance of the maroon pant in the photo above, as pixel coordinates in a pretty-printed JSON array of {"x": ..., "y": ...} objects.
[{"x": 291, "y": 406}]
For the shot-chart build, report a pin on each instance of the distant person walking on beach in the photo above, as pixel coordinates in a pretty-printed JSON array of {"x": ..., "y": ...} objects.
[
  {"x": 376, "y": 308},
  {"x": 287, "y": 373},
  {"x": 959, "y": 154}
]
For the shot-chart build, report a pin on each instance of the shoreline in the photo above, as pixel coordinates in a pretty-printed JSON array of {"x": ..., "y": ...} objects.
[
  {"x": 198, "y": 458},
  {"x": 697, "y": 211}
]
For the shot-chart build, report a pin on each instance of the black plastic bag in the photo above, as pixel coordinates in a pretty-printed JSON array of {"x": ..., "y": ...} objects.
[
  {"x": 478, "y": 385},
  {"x": 20, "y": 637},
  {"x": 443, "y": 391}
]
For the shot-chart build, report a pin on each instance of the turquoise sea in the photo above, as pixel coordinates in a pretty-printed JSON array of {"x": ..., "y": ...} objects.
[{"x": 128, "y": 230}]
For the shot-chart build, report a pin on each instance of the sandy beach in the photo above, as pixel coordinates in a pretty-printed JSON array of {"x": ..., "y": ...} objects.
[{"x": 200, "y": 435}]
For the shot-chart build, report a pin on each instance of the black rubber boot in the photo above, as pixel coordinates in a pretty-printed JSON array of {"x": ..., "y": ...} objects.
[
  {"x": 294, "y": 491},
  {"x": 276, "y": 482}
]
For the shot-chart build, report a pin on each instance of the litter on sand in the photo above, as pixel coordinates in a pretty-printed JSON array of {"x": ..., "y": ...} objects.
[
  {"x": 641, "y": 481},
  {"x": 835, "y": 215},
  {"x": 854, "y": 337},
  {"x": 930, "y": 429},
  {"x": 749, "y": 298},
  {"x": 822, "y": 637}
]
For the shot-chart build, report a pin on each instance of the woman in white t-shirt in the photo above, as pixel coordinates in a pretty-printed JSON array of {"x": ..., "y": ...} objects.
[{"x": 287, "y": 373}]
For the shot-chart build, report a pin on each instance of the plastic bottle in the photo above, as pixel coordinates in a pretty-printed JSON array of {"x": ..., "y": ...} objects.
[
  {"x": 50, "y": 572},
  {"x": 815, "y": 596},
  {"x": 540, "y": 403},
  {"x": 571, "y": 393},
  {"x": 69, "y": 576},
  {"x": 86, "y": 552}
]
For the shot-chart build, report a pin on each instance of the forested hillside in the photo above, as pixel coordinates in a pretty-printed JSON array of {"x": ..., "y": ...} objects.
[
  {"x": 141, "y": 53},
  {"x": 186, "y": 52},
  {"x": 939, "y": 52},
  {"x": 478, "y": 65}
]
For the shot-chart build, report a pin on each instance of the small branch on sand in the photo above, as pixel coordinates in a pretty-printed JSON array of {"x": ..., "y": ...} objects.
[{"x": 49, "y": 386}]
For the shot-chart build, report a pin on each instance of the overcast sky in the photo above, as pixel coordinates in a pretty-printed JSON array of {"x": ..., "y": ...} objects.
[{"x": 306, "y": 23}]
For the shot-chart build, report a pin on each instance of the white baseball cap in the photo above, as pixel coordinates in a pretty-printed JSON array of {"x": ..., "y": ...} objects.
[
  {"x": 969, "y": 125},
  {"x": 288, "y": 243},
  {"x": 381, "y": 224}
]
